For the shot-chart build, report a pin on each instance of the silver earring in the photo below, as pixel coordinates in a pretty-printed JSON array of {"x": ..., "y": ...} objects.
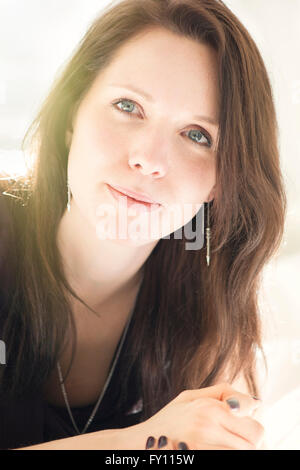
[
  {"x": 69, "y": 197},
  {"x": 207, "y": 231}
]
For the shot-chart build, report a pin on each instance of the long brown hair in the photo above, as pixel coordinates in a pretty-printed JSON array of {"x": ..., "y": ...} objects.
[{"x": 201, "y": 321}]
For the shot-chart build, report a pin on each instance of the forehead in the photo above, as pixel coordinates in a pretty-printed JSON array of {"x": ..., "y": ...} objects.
[{"x": 170, "y": 67}]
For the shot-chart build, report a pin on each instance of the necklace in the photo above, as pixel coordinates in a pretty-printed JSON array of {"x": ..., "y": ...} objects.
[{"x": 104, "y": 388}]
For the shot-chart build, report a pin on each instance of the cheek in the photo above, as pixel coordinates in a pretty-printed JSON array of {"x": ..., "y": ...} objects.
[
  {"x": 197, "y": 179},
  {"x": 109, "y": 142},
  {"x": 95, "y": 140},
  {"x": 193, "y": 181}
]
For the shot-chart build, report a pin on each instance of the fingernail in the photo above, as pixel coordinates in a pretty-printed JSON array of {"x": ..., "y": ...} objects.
[
  {"x": 233, "y": 403},
  {"x": 162, "y": 441},
  {"x": 182, "y": 446},
  {"x": 256, "y": 398},
  {"x": 150, "y": 442}
]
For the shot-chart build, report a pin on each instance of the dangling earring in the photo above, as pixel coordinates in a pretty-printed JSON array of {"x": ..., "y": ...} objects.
[
  {"x": 69, "y": 197},
  {"x": 207, "y": 231}
]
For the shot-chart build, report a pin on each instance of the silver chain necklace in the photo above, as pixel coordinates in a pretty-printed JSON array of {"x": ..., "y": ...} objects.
[{"x": 103, "y": 390}]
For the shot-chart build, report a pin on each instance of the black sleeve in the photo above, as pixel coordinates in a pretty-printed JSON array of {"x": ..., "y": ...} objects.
[{"x": 21, "y": 422}]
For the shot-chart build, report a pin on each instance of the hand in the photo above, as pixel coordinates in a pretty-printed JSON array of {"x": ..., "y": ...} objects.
[{"x": 204, "y": 420}]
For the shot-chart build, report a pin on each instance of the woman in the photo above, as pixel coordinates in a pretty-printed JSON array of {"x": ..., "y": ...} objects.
[{"x": 113, "y": 341}]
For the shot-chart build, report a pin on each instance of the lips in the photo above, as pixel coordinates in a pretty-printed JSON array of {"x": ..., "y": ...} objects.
[
  {"x": 140, "y": 206},
  {"x": 133, "y": 195}
]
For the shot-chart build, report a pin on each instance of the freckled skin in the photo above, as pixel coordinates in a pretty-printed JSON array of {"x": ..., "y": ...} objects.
[{"x": 151, "y": 151}]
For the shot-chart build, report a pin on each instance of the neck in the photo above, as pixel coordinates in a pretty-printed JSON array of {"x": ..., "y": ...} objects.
[{"x": 98, "y": 270}]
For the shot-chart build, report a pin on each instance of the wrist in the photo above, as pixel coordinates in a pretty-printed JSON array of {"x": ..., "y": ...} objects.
[{"x": 133, "y": 438}]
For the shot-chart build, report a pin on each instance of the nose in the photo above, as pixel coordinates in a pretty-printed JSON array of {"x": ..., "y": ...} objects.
[
  {"x": 148, "y": 165},
  {"x": 149, "y": 153}
]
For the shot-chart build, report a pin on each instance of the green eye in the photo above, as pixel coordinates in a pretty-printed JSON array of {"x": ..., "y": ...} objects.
[
  {"x": 129, "y": 103},
  {"x": 196, "y": 134},
  {"x": 199, "y": 135}
]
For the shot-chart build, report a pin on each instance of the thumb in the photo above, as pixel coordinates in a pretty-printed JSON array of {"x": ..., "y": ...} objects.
[{"x": 241, "y": 403}]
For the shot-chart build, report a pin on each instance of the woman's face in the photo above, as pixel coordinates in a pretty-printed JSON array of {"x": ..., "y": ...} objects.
[{"x": 147, "y": 124}]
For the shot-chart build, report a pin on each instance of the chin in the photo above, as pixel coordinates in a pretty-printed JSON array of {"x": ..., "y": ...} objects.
[{"x": 122, "y": 239}]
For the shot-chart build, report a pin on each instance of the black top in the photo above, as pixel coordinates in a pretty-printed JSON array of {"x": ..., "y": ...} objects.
[{"x": 31, "y": 420}]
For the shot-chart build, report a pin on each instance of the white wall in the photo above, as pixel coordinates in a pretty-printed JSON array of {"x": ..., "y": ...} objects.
[{"x": 275, "y": 26}]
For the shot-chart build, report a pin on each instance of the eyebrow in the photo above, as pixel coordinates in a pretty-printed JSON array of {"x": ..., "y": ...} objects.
[{"x": 150, "y": 98}]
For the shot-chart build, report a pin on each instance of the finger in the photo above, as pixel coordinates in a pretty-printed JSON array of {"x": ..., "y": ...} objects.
[
  {"x": 221, "y": 436},
  {"x": 240, "y": 403},
  {"x": 151, "y": 442},
  {"x": 245, "y": 427},
  {"x": 182, "y": 446},
  {"x": 222, "y": 392},
  {"x": 163, "y": 443},
  {"x": 238, "y": 442}
]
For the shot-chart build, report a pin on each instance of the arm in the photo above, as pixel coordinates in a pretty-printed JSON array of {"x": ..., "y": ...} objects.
[
  {"x": 176, "y": 420},
  {"x": 133, "y": 437}
]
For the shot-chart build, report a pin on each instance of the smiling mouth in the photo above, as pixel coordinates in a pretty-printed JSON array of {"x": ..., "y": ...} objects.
[{"x": 141, "y": 206}]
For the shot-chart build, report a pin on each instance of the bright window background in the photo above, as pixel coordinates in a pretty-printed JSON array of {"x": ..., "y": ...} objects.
[{"x": 36, "y": 39}]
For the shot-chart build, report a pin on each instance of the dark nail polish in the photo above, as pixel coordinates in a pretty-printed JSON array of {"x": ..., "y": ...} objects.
[
  {"x": 234, "y": 404},
  {"x": 150, "y": 442},
  {"x": 162, "y": 441},
  {"x": 256, "y": 398},
  {"x": 182, "y": 446}
]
